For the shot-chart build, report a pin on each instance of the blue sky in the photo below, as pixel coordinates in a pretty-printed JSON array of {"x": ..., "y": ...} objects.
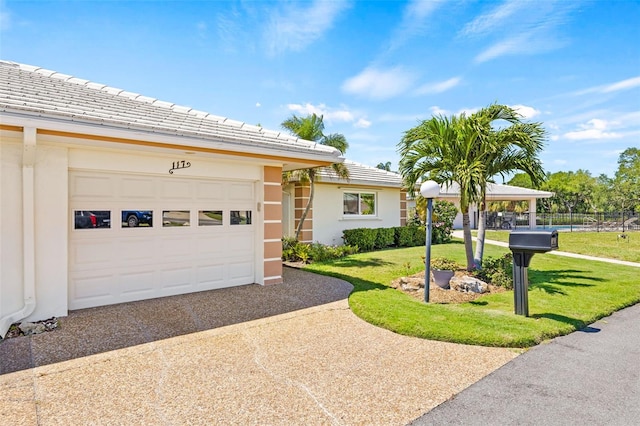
[{"x": 374, "y": 69}]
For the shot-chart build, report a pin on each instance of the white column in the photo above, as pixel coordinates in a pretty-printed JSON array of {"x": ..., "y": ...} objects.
[{"x": 532, "y": 213}]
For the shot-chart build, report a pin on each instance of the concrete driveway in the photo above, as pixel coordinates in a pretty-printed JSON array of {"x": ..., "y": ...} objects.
[{"x": 286, "y": 354}]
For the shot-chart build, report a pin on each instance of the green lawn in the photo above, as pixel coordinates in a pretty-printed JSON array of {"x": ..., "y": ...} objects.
[
  {"x": 600, "y": 244},
  {"x": 565, "y": 294}
]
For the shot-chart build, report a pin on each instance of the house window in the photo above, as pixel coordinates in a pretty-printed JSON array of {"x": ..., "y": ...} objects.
[{"x": 359, "y": 203}]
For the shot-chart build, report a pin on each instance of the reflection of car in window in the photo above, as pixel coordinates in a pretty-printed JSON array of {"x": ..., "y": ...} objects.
[
  {"x": 84, "y": 219},
  {"x": 92, "y": 219},
  {"x": 133, "y": 218}
]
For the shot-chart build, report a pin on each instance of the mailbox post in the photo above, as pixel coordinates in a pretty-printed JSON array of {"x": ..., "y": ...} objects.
[{"x": 523, "y": 245}]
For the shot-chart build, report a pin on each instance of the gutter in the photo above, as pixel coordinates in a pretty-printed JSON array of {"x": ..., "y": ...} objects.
[{"x": 28, "y": 232}]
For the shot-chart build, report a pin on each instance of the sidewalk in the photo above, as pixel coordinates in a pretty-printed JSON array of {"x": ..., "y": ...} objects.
[{"x": 458, "y": 234}]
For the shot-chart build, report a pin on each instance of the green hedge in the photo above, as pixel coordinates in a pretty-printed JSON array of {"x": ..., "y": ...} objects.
[
  {"x": 368, "y": 239},
  {"x": 364, "y": 238},
  {"x": 386, "y": 237}
]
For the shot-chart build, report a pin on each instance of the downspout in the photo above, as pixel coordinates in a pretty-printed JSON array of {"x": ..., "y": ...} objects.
[{"x": 28, "y": 232}]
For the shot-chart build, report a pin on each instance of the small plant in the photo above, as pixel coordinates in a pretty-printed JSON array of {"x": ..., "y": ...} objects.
[
  {"x": 302, "y": 252},
  {"x": 407, "y": 267},
  {"x": 497, "y": 271},
  {"x": 443, "y": 263},
  {"x": 295, "y": 251}
]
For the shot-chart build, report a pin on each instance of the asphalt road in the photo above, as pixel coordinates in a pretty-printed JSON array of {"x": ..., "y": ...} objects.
[{"x": 590, "y": 377}]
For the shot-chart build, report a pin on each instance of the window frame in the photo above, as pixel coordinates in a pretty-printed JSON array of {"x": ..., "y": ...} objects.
[{"x": 359, "y": 194}]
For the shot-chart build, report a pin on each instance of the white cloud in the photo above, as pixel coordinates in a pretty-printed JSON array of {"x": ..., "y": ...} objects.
[
  {"x": 340, "y": 115},
  {"x": 519, "y": 27},
  {"x": 593, "y": 129},
  {"x": 5, "y": 17},
  {"x": 627, "y": 84},
  {"x": 439, "y": 87},
  {"x": 379, "y": 84},
  {"x": 414, "y": 21},
  {"x": 258, "y": 105},
  {"x": 436, "y": 110},
  {"x": 293, "y": 27},
  {"x": 560, "y": 162},
  {"x": 362, "y": 123},
  {"x": 526, "y": 111},
  {"x": 488, "y": 21}
]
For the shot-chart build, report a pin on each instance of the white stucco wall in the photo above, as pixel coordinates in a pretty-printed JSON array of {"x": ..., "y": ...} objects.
[
  {"x": 11, "y": 290},
  {"x": 54, "y": 157},
  {"x": 329, "y": 222},
  {"x": 50, "y": 201}
]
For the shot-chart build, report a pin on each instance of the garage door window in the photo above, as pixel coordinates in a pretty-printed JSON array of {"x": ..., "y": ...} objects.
[
  {"x": 137, "y": 218},
  {"x": 175, "y": 218},
  {"x": 85, "y": 219},
  {"x": 240, "y": 217},
  {"x": 210, "y": 217}
]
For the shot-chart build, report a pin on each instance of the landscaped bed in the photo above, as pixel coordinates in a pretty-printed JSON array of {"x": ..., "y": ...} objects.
[{"x": 565, "y": 294}]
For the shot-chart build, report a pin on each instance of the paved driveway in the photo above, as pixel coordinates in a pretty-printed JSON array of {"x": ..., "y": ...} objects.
[
  {"x": 590, "y": 377},
  {"x": 287, "y": 354}
]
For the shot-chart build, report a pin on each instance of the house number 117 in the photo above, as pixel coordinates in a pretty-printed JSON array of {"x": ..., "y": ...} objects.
[{"x": 176, "y": 165}]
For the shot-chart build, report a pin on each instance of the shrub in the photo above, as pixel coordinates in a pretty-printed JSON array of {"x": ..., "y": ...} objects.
[
  {"x": 295, "y": 251},
  {"x": 288, "y": 252},
  {"x": 444, "y": 264},
  {"x": 444, "y": 213},
  {"x": 419, "y": 235},
  {"x": 497, "y": 271},
  {"x": 385, "y": 238},
  {"x": 364, "y": 238},
  {"x": 404, "y": 236}
]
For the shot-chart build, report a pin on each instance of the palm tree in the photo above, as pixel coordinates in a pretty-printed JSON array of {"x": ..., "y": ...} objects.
[
  {"x": 443, "y": 149},
  {"x": 504, "y": 151},
  {"x": 468, "y": 151},
  {"x": 311, "y": 128},
  {"x": 384, "y": 166}
]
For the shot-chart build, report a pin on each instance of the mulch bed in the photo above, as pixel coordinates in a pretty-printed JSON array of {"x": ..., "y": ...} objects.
[{"x": 439, "y": 295}]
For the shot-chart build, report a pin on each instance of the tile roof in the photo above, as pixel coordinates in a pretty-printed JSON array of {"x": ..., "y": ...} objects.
[
  {"x": 496, "y": 191},
  {"x": 360, "y": 174},
  {"x": 35, "y": 92}
]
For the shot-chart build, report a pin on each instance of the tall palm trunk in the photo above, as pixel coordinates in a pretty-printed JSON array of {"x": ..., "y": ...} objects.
[
  {"x": 482, "y": 230},
  {"x": 466, "y": 230},
  {"x": 308, "y": 206}
]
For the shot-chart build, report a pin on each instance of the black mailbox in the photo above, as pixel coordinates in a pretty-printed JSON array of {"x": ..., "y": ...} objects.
[
  {"x": 524, "y": 244},
  {"x": 534, "y": 241}
]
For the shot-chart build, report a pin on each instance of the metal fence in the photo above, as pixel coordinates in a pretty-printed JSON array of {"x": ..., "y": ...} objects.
[{"x": 573, "y": 222}]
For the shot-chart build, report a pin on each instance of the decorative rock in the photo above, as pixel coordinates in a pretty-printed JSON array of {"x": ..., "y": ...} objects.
[
  {"x": 32, "y": 328},
  {"x": 468, "y": 284},
  {"x": 411, "y": 284}
]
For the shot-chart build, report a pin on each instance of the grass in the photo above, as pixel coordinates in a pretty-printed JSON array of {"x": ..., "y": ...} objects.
[
  {"x": 565, "y": 295},
  {"x": 599, "y": 244}
]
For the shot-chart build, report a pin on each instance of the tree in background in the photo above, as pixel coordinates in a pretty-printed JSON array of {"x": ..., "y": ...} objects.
[
  {"x": 384, "y": 166},
  {"x": 311, "y": 128},
  {"x": 626, "y": 184},
  {"x": 573, "y": 191}
]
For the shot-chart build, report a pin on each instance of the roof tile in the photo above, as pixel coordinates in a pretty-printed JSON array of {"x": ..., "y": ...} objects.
[{"x": 34, "y": 91}]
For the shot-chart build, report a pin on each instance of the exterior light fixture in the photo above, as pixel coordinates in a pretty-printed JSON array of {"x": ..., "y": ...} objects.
[{"x": 429, "y": 190}]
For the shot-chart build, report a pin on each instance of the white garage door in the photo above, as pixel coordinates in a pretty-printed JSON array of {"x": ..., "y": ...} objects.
[{"x": 139, "y": 237}]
